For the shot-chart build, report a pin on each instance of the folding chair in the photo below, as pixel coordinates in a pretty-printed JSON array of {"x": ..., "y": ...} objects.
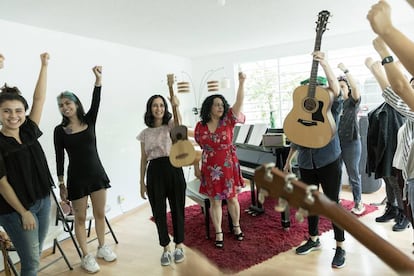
[{"x": 68, "y": 221}]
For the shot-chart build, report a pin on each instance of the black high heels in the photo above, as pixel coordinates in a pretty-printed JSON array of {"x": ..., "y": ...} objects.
[
  {"x": 239, "y": 236},
  {"x": 219, "y": 244}
]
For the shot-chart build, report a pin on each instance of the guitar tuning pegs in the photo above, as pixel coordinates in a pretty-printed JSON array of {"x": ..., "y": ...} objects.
[
  {"x": 309, "y": 199},
  {"x": 262, "y": 194},
  {"x": 281, "y": 205},
  {"x": 288, "y": 185},
  {"x": 268, "y": 171},
  {"x": 301, "y": 214}
]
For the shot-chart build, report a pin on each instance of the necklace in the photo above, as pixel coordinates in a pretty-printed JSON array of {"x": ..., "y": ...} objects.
[{"x": 68, "y": 130}]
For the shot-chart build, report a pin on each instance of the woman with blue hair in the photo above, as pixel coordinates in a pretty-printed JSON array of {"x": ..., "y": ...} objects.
[{"x": 86, "y": 176}]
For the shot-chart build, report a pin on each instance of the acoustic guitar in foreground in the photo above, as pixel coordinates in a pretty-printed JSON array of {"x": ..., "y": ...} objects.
[
  {"x": 310, "y": 122},
  {"x": 182, "y": 150},
  {"x": 273, "y": 183}
]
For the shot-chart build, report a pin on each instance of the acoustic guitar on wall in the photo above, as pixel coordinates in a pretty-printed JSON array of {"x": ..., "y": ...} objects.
[
  {"x": 273, "y": 183},
  {"x": 182, "y": 150},
  {"x": 310, "y": 122}
]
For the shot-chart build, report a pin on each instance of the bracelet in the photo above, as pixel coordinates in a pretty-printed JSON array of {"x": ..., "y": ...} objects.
[
  {"x": 386, "y": 60},
  {"x": 346, "y": 71}
]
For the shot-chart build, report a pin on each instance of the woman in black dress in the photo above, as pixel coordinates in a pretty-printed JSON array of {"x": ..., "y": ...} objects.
[{"x": 85, "y": 174}]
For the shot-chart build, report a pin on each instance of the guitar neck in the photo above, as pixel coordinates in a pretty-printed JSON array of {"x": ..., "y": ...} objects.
[
  {"x": 174, "y": 108},
  {"x": 321, "y": 26},
  {"x": 300, "y": 195},
  {"x": 315, "y": 66},
  {"x": 170, "y": 79},
  {"x": 384, "y": 250}
]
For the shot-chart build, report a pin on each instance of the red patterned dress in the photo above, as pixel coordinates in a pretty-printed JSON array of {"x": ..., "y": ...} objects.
[{"x": 220, "y": 169}]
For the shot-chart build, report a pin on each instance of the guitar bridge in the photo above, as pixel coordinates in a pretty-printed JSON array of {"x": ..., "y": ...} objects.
[{"x": 307, "y": 123}]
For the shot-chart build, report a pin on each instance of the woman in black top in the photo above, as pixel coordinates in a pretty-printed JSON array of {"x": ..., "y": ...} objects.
[
  {"x": 85, "y": 175},
  {"x": 25, "y": 178}
]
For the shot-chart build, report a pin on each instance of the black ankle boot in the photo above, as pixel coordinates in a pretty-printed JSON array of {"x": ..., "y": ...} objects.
[
  {"x": 402, "y": 222},
  {"x": 390, "y": 213}
]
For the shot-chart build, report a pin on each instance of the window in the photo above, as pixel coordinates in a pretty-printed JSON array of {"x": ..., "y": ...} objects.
[{"x": 268, "y": 97}]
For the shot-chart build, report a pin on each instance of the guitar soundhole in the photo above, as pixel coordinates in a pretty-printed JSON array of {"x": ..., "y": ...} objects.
[{"x": 310, "y": 104}]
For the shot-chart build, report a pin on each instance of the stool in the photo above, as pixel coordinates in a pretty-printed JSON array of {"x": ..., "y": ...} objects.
[{"x": 203, "y": 200}]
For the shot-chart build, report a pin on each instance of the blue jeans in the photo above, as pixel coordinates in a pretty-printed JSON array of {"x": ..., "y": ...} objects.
[
  {"x": 351, "y": 154},
  {"x": 28, "y": 243}
]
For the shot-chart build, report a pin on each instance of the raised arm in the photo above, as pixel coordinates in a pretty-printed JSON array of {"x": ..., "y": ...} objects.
[
  {"x": 333, "y": 84},
  {"x": 399, "y": 83},
  {"x": 378, "y": 72},
  {"x": 237, "y": 106},
  {"x": 92, "y": 113},
  {"x": 39, "y": 95},
  {"x": 97, "y": 70},
  {"x": 355, "y": 94},
  {"x": 380, "y": 19},
  {"x": 175, "y": 103}
]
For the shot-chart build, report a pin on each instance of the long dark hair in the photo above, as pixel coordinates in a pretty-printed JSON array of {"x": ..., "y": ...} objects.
[
  {"x": 149, "y": 118},
  {"x": 208, "y": 104},
  {"x": 12, "y": 94},
  {"x": 80, "y": 112}
]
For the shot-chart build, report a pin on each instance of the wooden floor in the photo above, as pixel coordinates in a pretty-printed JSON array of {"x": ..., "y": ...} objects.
[{"x": 138, "y": 251}]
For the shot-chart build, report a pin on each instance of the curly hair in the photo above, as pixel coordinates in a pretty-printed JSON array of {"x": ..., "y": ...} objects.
[
  {"x": 80, "y": 112},
  {"x": 208, "y": 104},
  {"x": 149, "y": 117},
  {"x": 12, "y": 94}
]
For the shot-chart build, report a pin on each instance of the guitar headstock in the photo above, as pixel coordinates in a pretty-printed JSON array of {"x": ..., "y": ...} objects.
[
  {"x": 170, "y": 79},
  {"x": 323, "y": 17},
  {"x": 273, "y": 183}
]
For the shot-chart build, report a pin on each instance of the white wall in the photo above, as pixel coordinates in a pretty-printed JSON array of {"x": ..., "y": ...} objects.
[{"x": 130, "y": 77}]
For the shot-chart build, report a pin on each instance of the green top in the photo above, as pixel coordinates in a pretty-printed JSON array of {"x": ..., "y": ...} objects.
[{"x": 319, "y": 81}]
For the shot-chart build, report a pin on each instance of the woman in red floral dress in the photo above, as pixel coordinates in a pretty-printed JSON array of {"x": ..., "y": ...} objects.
[{"x": 220, "y": 169}]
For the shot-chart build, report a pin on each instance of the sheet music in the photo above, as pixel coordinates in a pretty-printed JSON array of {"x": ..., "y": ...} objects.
[
  {"x": 256, "y": 135},
  {"x": 242, "y": 135}
]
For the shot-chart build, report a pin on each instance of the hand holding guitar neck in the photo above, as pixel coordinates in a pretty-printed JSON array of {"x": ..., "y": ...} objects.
[
  {"x": 308, "y": 200},
  {"x": 182, "y": 151}
]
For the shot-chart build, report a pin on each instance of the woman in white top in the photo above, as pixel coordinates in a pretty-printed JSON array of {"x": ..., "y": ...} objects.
[{"x": 163, "y": 181}]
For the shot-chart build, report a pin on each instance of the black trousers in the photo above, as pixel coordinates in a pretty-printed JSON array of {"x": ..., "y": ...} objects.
[
  {"x": 165, "y": 181},
  {"x": 329, "y": 177}
]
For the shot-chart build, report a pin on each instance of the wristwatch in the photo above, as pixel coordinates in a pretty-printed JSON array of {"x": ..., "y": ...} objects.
[{"x": 386, "y": 60}]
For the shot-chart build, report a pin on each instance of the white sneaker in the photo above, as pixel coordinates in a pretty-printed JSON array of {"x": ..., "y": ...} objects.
[
  {"x": 89, "y": 264},
  {"x": 106, "y": 253},
  {"x": 166, "y": 258},
  {"x": 178, "y": 255},
  {"x": 358, "y": 209}
]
